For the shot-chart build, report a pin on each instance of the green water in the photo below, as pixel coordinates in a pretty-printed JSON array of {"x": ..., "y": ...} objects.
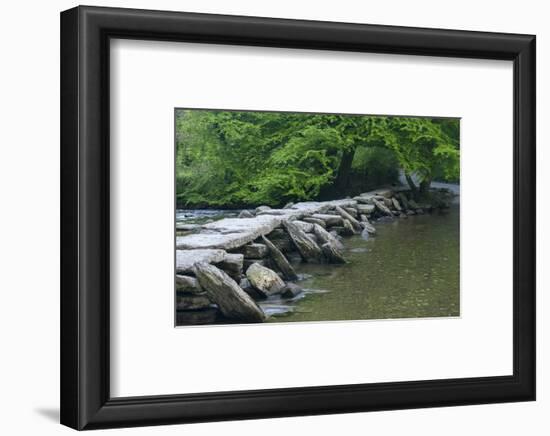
[{"x": 410, "y": 269}]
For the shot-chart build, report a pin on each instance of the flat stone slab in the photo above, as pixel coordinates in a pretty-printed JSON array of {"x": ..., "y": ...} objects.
[
  {"x": 310, "y": 207},
  {"x": 386, "y": 192},
  {"x": 231, "y": 233},
  {"x": 186, "y": 259},
  {"x": 365, "y": 208},
  {"x": 330, "y": 220},
  {"x": 187, "y": 227}
]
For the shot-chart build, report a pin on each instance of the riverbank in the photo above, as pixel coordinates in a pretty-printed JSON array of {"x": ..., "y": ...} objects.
[{"x": 233, "y": 269}]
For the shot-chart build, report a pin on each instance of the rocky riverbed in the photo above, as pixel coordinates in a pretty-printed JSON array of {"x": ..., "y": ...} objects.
[{"x": 244, "y": 268}]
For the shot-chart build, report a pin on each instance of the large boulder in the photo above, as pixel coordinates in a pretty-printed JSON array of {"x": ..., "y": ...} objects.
[
  {"x": 264, "y": 280},
  {"x": 330, "y": 220},
  {"x": 255, "y": 251},
  {"x": 245, "y": 285},
  {"x": 387, "y": 193},
  {"x": 292, "y": 290},
  {"x": 367, "y": 225},
  {"x": 228, "y": 233},
  {"x": 245, "y": 214},
  {"x": 186, "y": 259},
  {"x": 262, "y": 209},
  {"x": 304, "y": 226},
  {"x": 348, "y": 229},
  {"x": 307, "y": 247},
  {"x": 363, "y": 199},
  {"x": 396, "y": 204},
  {"x": 281, "y": 239},
  {"x": 351, "y": 210},
  {"x": 346, "y": 216},
  {"x": 188, "y": 285},
  {"x": 233, "y": 302},
  {"x": 380, "y": 205},
  {"x": 248, "y": 262},
  {"x": 324, "y": 236},
  {"x": 338, "y": 230},
  {"x": 280, "y": 260},
  {"x": 332, "y": 254},
  {"x": 365, "y": 209},
  {"x": 232, "y": 264},
  {"x": 311, "y": 220}
]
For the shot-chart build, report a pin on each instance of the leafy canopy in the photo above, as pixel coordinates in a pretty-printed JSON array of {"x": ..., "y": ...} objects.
[
  {"x": 233, "y": 158},
  {"x": 428, "y": 148}
]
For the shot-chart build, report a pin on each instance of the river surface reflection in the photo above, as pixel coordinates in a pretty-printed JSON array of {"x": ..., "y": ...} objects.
[{"x": 410, "y": 269}]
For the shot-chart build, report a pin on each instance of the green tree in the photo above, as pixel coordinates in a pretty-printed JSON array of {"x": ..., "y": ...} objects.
[
  {"x": 425, "y": 147},
  {"x": 234, "y": 158}
]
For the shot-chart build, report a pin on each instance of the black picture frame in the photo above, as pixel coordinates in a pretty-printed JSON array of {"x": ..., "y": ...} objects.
[{"x": 85, "y": 399}]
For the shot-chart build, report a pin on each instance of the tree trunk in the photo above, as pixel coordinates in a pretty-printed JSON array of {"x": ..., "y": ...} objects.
[
  {"x": 343, "y": 176},
  {"x": 425, "y": 186},
  {"x": 410, "y": 181}
]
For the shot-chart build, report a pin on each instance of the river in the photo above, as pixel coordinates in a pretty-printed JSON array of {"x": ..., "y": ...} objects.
[{"x": 410, "y": 269}]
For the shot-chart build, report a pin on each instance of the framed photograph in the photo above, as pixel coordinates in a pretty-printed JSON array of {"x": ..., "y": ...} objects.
[
  {"x": 265, "y": 217},
  {"x": 264, "y": 258}
]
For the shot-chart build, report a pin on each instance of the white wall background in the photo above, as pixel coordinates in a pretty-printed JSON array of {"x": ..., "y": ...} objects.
[
  {"x": 142, "y": 117},
  {"x": 29, "y": 234}
]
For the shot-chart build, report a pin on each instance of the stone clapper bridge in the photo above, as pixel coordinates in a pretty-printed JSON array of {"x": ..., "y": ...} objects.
[{"x": 226, "y": 266}]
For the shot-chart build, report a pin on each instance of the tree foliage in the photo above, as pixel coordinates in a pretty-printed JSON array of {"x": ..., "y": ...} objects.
[
  {"x": 425, "y": 147},
  {"x": 233, "y": 158}
]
